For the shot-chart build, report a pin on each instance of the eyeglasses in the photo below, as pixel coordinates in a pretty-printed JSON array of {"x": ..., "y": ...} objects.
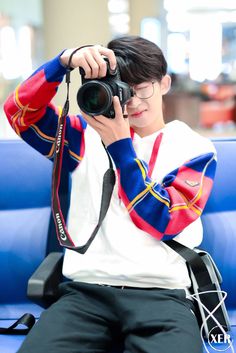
[{"x": 145, "y": 92}]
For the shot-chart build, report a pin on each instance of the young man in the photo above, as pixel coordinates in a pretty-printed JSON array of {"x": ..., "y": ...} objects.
[{"x": 129, "y": 284}]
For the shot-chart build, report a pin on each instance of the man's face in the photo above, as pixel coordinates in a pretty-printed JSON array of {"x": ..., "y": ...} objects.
[{"x": 145, "y": 108}]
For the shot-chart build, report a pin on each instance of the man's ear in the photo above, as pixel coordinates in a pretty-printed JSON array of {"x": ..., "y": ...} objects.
[{"x": 165, "y": 84}]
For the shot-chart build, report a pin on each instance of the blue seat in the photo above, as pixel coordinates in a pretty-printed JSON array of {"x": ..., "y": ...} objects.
[
  {"x": 27, "y": 229},
  {"x": 219, "y": 224},
  {"x": 25, "y": 181}
]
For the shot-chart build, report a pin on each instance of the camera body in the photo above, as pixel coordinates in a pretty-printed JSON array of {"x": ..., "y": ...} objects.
[{"x": 95, "y": 96}]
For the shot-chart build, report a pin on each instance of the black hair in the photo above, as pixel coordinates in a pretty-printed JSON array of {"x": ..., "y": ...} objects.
[{"x": 139, "y": 60}]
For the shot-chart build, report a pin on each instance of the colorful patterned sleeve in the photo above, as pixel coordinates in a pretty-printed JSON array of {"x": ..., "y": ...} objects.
[
  {"x": 34, "y": 117},
  {"x": 162, "y": 210}
]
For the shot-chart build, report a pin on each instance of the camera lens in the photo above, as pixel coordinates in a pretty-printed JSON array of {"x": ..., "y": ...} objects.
[{"x": 94, "y": 97}]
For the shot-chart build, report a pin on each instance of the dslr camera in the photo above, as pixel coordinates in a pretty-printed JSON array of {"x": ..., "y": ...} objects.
[{"x": 95, "y": 96}]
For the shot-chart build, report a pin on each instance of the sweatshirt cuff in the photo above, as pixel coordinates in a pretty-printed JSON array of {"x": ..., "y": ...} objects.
[
  {"x": 122, "y": 151},
  {"x": 54, "y": 70}
]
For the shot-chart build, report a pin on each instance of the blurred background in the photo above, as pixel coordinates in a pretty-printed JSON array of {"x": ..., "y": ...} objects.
[{"x": 198, "y": 38}]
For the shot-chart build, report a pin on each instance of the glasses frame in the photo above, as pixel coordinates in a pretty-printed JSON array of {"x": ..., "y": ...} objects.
[{"x": 135, "y": 94}]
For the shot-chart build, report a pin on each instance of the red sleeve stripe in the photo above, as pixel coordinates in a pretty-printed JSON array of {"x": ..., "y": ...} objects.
[
  {"x": 76, "y": 123},
  {"x": 145, "y": 226}
]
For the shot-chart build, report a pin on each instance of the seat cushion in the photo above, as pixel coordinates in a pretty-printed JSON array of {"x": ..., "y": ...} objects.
[
  {"x": 10, "y": 343},
  {"x": 8, "y": 315},
  {"x": 219, "y": 239},
  {"x": 23, "y": 248},
  {"x": 16, "y": 310}
]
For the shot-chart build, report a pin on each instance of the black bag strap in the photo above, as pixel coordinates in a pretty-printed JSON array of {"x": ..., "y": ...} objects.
[
  {"x": 194, "y": 261},
  {"x": 27, "y": 320}
]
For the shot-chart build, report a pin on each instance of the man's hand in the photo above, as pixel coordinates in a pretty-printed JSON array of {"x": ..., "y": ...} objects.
[
  {"x": 110, "y": 130},
  {"x": 91, "y": 59}
]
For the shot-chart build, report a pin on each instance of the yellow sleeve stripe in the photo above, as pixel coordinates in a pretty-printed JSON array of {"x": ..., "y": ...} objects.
[
  {"x": 184, "y": 207},
  {"x": 159, "y": 198},
  {"x": 199, "y": 212},
  {"x": 144, "y": 174},
  {"x": 47, "y": 137},
  {"x": 17, "y": 100},
  {"x": 145, "y": 191},
  {"x": 50, "y": 154},
  {"x": 17, "y": 130},
  {"x": 20, "y": 105},
  {"x": 23, "y": 108},
  {"x": 141, "y": 168},
  {"x": 73, "y": 154},
  {"x": 199, "y": 193},
  {"x": 44, "y": 136},
  {"x": 198, "y": 196},
  {"x": 76, "y": 156},
  {"x": 188, "y": 204},
  {"x": 15, "y": 117}
]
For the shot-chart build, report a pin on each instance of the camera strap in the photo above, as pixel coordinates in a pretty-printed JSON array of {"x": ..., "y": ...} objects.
[{"x": 107, "y": 187}]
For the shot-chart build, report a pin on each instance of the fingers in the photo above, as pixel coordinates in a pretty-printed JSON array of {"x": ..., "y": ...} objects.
[
  {"x": 89, "y": 119},
  {"x": 94, "y": 57},
  {"x": 117, "y": 108},
  {"x": 101, "y": 118},
  {"x": 95, "y": 122},
  {"x": 110, "y": 56},
  {"x": 110, "y": 130},
  {"x": 97, "y": 63},
  {"x": 91, "y": 59}
]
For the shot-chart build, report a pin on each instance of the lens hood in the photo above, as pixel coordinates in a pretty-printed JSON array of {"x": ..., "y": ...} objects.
[{"x": 95, "y": 97}]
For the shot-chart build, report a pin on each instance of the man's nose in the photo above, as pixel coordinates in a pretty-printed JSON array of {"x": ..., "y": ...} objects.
[{"x": 133, "y": 102}]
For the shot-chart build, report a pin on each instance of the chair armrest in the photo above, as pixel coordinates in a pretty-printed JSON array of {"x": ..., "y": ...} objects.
[{"x": 43, "y": 284}]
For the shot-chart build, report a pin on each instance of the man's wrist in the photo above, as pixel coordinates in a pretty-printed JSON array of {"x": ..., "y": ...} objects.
[
  {"x": 64, "y": 58},
  {"x": 121, "y": 151}
]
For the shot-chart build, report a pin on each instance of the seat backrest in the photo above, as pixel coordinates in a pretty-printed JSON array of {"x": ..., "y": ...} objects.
[
  {"x": 25, "y": 216},
  {"x": 219, "y": 217}
]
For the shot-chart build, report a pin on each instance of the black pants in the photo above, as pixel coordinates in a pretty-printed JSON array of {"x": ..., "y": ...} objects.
[{"x": 89, "y": 317}]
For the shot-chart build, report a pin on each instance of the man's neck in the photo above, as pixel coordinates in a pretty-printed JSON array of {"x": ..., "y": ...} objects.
[{"x": 149, "y": 130}]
